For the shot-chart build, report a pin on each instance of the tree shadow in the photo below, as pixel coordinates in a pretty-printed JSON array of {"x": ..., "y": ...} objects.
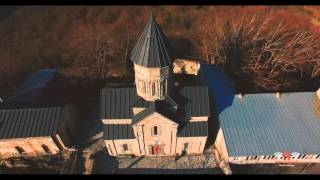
[
  {"x": 104, "y": 164},
  {"x": 219, "y": 85},
  {"x": 221, "y": 96},
  {"x": 182, "y": 47}
]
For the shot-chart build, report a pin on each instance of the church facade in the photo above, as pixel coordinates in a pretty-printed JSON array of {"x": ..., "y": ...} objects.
[{"x": 155, "y": 117}]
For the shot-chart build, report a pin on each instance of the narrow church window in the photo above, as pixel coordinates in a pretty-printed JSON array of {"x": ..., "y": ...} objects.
[
  {"x": 46, "y": 148},
  {"x": 144, "y": 88},
  {"x": 125, "y": 147},
  {"x": 20, "y": 149},
  {"x": 153, "y": 89},
  {"x": 155, "y": 131}
]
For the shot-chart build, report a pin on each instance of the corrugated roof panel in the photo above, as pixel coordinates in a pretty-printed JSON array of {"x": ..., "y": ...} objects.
[
  {"x": 23, "y": 124},
  {"x": 56, "y": 117},
  {"x": 125, "y": 131},
  {"x": 12, "y": 124},
  {"x": 118, "y": 131},
  {"x": 39, "y": 117},
  {"x": 103, "y": 103},
  {"x": 35, "y": 122},
  {"x": 20, "y": 123},
  {"x": 46, "y": 117},
  {"x": 4, "y": 124},
  {"x": 197, "y": 101},
  {"x": 193, "y": 129},
  {"x": 117, "y": 102},
  {"x": 263, "y": 124},
  {"x": 29, "y": 120}
]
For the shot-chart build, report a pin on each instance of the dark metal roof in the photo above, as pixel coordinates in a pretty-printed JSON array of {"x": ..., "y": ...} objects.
[
  {"x": 22, "y": 123},
  {"x": 262, "y": 124},
  {"x": 140, "y": 102},
  {"x": 193, "y": 129},
  {"x": 195, "y": 100},
  {"x": 152, "y": 47},
  {"x": 165, "y": 108},
  {"x": 118, "y": 131},
  {"x": 117, "y": 103}
]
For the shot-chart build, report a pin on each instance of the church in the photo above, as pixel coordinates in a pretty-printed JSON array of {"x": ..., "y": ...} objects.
[{"x": 156, "y": 116}]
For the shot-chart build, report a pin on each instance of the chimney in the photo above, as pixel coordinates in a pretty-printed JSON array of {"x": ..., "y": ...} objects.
[
  {"x": 318, "y": 93},
  {"x": 278, "y": 95}
]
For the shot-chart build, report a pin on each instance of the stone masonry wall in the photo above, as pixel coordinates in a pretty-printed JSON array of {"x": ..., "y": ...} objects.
[{"x": 31, "y": 146}]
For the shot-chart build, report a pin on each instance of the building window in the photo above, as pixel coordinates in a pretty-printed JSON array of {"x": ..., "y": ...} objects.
[
  {"x": 155, "y": 130},
  {"x": 20, "y": 149},
  {"x": 153, "y": 89},
  {"x": 144, "y": 88},
  {"x": 125, "y": 147},
  {"x": 45, "y": 148}
]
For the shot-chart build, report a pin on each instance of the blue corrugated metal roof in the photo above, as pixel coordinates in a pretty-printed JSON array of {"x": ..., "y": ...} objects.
[{"x": 262, "y": 124}]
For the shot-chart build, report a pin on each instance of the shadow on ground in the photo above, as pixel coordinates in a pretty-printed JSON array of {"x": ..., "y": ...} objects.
[
  {"x": 104, "y": 164},
  {"x": 219, "y": 85},
  {"x": 170, "y": 171}
]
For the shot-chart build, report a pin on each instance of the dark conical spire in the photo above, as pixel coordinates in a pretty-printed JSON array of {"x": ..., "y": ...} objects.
[{"x": 151, "y": 49}]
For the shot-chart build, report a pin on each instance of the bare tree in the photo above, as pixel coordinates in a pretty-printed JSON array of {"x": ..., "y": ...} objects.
[
  {"x": 93, "y": 53},
  {"x": 272, "y": 54}
]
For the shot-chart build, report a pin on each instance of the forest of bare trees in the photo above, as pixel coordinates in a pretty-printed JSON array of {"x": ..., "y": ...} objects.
[{"x": 260, "y": 48}]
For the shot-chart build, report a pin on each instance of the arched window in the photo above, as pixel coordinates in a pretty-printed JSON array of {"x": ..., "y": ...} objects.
[
  {"x": 45, "y": 148},
  {"x": 144, "y": 88},
  {"x": 153, "y": 89},
  {"x": 20, "y": 149},
  {"x": 125, "y": 147}
]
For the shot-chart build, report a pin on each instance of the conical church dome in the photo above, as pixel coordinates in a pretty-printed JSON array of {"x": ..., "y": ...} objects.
[{"x": 151, "y": 49}]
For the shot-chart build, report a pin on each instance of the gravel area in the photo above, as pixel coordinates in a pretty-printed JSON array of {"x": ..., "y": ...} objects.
[{"x": 186, "y": 162}]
